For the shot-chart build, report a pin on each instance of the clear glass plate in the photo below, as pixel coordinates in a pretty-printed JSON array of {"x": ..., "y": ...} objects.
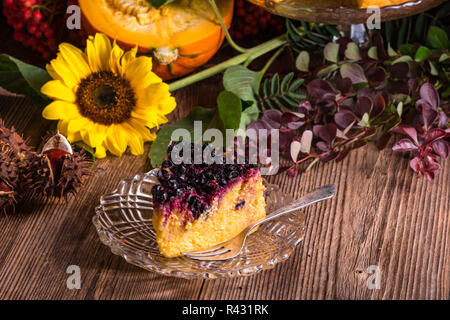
[{"x": 124, "y": 223}]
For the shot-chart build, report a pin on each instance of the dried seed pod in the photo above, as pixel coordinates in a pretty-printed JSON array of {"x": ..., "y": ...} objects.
[{"x": 57, "y": 171}]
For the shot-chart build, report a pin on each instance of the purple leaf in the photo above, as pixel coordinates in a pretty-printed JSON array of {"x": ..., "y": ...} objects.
[
  {"x": 322, "y": 146},
  {"x": 259, "y": 124},
  {"x": 442, "y": 148},
  {"x": 273, "y": 118},
  {"x": 442, "y": 120},
  {"x": 429, "y": 95},
  {"x": 344, "y": 85},
  {"x": 321, "y": 90},
  {"x": 376, "y": 76},
  {"x": 304, "y": 106},
  {"x": 344, "y": 118},
  {"x": 379, "y": 104},
  {"x": 354, "y": 72},
  {"x": 416, "y": 164},
  {"x": 328, "y": 132},
  {"x": 291, "y": 120},
  {"x": 433, "y": 135},
  {"x": 408, "y": 130},
  {"x": 400, "y": 70},
  {"x": 429, "y": 115},
  {"x": 404, "y": 145},
  {"x": 399, "y": 87},
  {"x": 363, "y": 105}
]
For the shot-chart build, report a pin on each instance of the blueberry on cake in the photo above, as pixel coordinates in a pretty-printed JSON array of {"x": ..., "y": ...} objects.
[{"x": 197, "y": 206}]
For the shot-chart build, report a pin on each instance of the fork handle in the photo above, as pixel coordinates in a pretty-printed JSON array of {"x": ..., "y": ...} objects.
[{"x": 322, "y": 193}]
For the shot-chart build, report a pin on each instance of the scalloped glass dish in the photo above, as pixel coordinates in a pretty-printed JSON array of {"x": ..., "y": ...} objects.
[{"x": 124, "y": 223}]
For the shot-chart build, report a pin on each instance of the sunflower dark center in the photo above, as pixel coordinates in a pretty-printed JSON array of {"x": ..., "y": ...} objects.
[{"x": 105, "y": 98}]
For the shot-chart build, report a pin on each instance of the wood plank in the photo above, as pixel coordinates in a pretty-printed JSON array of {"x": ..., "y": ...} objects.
[{"x": 382, "y": 215}]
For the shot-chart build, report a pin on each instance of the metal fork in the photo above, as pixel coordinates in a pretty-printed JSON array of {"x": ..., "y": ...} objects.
[{"x": 231, "y": 248}]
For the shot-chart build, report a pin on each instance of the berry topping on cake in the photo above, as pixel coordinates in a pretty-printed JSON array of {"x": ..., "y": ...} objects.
[{"x": 192, "y": 187}]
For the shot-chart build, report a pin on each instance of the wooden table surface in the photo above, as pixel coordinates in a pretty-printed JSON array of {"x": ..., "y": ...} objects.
[{"x": 382, "y": 215}]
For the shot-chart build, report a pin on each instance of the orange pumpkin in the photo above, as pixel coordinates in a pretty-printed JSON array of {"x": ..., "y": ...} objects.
[{"x": 181, "y": 36}]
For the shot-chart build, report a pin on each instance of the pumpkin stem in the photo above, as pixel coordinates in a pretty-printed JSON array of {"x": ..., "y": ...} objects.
[{"x": 230, "y": 40}]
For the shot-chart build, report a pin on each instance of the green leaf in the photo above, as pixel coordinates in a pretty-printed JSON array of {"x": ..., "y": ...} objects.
[
  {"x": 241, "y": 81},
  {"x": 402, "y": 59},
  {"x": 352, "y": 52},
  {"x": 438, "y": 38},
  {"x": 327, "y": 70},
  {"x": 229, "y": 107},
  {"x": 302, "y": 62},
  {"x": 391, "y": 52},
  {"x": 443, "y": 57},
  {"x": 373, "y": 53},
  {"x": 278, "y": 95},
  {"x": 22, "y": 78},
  {"x": 158, "y": 150},
  {"x": 159, "y": 3},
  {"x": 406, "y": 49},
  {"x": 331, "y": 52},
  {"x": 422, "y": 54}
]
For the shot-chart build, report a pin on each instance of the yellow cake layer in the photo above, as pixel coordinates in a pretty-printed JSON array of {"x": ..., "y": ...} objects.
[{"x": 220, "y": 224}]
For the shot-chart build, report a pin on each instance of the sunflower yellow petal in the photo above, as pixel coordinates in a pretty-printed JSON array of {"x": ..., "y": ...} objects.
[
  {"x": 62, "y": 126},
  {"x": 78, "y": 125},
  {"x": 126, "y": 59},
  {"x": 74, "y": 137},
  {"x": 61, "y": 110},
  {"x": 100, "y": 151},
  {"x": 135, "y": 140},
  {"x": 116, "y": 140},
  {"x": 98, "y": 51},
  {"x": 55, "y": 89},
  {"x": 152, "y": 94},
  {"x": 136, "y": 145},
  {"x": 53, "y": 73},
  {"x": 139, "y": 73},
  {"x": 141, "y": 128},
  {"x": 65, "y": 73},
  {"x": 114, "y": 60},
  {"x": 95, "y": 136},
  {"x": 76, "y": 59}
]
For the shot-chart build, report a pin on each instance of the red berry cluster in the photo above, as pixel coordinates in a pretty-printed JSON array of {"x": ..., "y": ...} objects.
[
  {"x": 31, "y": 20},
  {"x": 251, "y": 20}
]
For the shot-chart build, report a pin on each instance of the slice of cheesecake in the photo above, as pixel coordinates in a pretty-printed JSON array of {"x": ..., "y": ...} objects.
[{"x": 197, "y": 206}]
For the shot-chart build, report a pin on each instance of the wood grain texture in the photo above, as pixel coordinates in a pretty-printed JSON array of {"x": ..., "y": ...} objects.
[{"x": 382, "y": 215}]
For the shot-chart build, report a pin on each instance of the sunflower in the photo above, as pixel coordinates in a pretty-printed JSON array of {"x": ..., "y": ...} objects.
[{"x": 105, "y": 97}]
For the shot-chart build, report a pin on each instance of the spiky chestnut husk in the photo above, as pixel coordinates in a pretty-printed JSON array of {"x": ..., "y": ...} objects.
[
  {"x": 7, "y": 196},
  {"x": 50, "y": 179},
  {"x": 58, "y": 171},
  {"x": 14, "y": 155},
  {"x": 11, "y": 141}
]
